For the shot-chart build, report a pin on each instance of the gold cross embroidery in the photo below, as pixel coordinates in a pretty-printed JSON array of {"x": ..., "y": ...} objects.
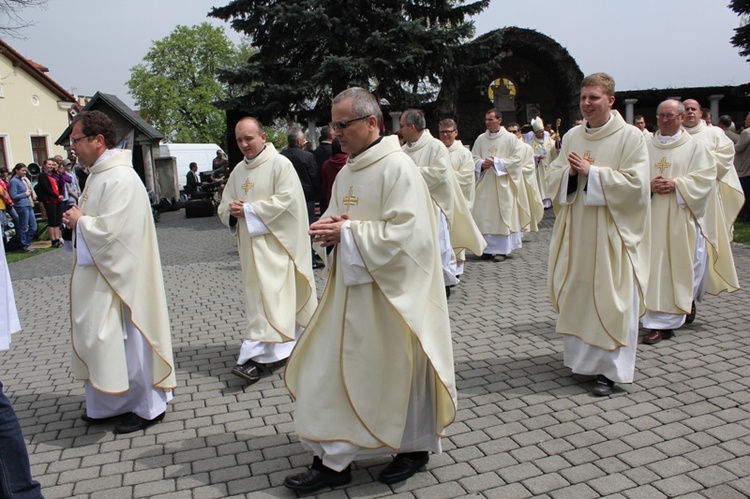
[
  {"x": 493, "y": 150},
  {"x": 588, "y": 157},
  {"x": 350, "y": 199},
  {"x": 662, "y": 165},
  {"x": 247, "y": 185}
]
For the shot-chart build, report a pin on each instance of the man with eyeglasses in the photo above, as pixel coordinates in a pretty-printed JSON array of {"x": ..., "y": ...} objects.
[
  {"x": 730, "y": 193},
  {"x": 122, "y": 346},
  {"x": 498, "y": 165},
  {"x": 373, "y": 373},
  {"x": 598, "y": 261},
  {"x": 690, "y": 253},
  {"x": 264, "y": 207},
  {"x": 457, "y": 229},
  {"x": 463, "y": 167}
]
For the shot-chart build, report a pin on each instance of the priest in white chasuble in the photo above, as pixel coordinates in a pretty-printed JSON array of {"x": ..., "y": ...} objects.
[
  {"x": 688, "y": 244},
  {"x": 530, "y": 195},
  {"x": 498, "y": 199},
  {"x": 721, "y": 147},
  {"x": 544, "y": 153},
  {"x": 122, "y": 346},
  {"x": 264, "y": 206},
  {"x": 461, "y": 160},
  {"x": 599, "y": 252},
  {"x": 463, "y": 167},
  {"x": 457, "y": 230},
  {"x": 373, "y": 375}
]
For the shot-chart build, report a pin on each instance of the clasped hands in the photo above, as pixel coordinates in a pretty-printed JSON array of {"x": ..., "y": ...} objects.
[
  {"x": 578, "y": 164},
  {"x": 71, "y": 216},
  {"x": 327, "y": 231},
  {"x": 662, "y": 185}
]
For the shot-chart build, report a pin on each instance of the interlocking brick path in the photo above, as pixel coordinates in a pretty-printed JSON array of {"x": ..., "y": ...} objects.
[{"x": 526, "y": 426}]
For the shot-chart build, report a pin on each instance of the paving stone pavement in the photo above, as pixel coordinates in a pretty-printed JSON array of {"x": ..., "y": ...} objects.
[{"x": 526, "y": 426}]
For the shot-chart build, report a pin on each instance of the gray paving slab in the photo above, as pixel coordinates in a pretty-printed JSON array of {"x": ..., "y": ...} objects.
[{"x": 526, "y": 426}]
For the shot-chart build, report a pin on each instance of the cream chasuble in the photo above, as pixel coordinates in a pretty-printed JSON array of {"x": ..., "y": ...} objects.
[
  {"x": 434, "y": 163},
  {"x": 118, "y": 229},
  {"x": 690, "y": 164},
  {"x": 599, "y": 252},
  {"x": 544, "y": 153},
  {"x": 531, "y": 192},
  {"x": 276, "y": 266},
  {"x": 351, "y": 371},
  {"x": 730, "y": 191},
  {"x": 463, "y": 167},
  {"x": 497, "y": 208}
]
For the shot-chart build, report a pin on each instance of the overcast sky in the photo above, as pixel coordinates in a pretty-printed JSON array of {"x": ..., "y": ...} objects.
[{"x": 90, "y": 45}]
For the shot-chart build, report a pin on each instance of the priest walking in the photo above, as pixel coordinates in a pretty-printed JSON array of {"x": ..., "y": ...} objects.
[
  {"x": 264, "y": 206},
  {"x": 122, "y": 347},
  {"x": 598, "y": 259},
  {"x": 373, "y": 373}
]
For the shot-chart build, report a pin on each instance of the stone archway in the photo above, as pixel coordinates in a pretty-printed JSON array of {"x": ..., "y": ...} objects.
[{"x": 532, "y": 75}]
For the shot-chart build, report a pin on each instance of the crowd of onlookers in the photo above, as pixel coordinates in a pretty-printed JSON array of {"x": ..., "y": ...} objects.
[{"x": 25, "y": 199}]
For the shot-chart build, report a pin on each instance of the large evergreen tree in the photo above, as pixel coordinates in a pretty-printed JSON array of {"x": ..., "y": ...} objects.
[
  {"x": 176, "y": 85},
  {"x": 309, "y": 50},
  {"x": 741, "y": 38}
]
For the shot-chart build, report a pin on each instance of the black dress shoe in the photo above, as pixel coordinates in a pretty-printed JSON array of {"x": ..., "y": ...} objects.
[
  {"x": 403, "y": 466},
  {"x": 96, "y": 421},
  {"x": 134, "y": 423},
  {"x": 250, "y": 371},
  {"x": 603, "y": 386},
  {"x": 656, "y": 335},
  {"x": 691, "y": 316},
  {"x": 317, "y": 477}
]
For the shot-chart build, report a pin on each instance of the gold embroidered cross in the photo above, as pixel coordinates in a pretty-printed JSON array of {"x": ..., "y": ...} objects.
[
  {"x": 350, "y": 199},
  {"x": 247, "y": 185},
  {"x": 588, "y": 157},
  {"x": 493, "y": 150},
  {"x": 662, "y": 165}
]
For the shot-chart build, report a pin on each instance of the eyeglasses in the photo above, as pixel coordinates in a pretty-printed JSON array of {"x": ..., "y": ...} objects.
[
  {"x": 514, "y": 131},
  {"x": 446, "y": 132},
  {"x": 74, "y": 140},
  {"x": 340, "y": 125},
  {"x": 667, "y": 117}
]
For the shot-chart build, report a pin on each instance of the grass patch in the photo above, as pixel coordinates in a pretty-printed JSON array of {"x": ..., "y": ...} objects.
[
  {"x": 17, "y": 256},
  {"x": 742, "y": 232}
]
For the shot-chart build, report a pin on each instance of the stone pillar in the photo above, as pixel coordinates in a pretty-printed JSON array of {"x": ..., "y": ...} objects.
[
  {"x": 629, "y": 110},
  {"x": 715, "y": 107},
  {"x": 312, "y": 133},
  {"x": 395, "y": 117}
]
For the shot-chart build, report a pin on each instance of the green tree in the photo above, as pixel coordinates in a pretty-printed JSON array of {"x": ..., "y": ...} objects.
[
  {"x": 176, "y": 85},
  {"x": 309, "y": 50},
  {"x": 741, "y": 38}
]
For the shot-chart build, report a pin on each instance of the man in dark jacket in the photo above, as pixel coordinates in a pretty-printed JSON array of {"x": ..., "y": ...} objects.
[{"x": 307, "y": 170}]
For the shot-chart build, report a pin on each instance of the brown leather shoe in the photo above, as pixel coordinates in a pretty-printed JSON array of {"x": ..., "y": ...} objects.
[{"x": 656, "y": 335}]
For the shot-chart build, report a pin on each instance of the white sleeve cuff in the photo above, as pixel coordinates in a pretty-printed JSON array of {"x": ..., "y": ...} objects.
[
  {"x": 83, "y": 255},
  {"x": 594, "y": 193},
  {"x": 499, "y": 168},
  {"x": 355, "y": 271},
  {"x": 254, "y": 225},
  {"x": 680, "y": 200}
]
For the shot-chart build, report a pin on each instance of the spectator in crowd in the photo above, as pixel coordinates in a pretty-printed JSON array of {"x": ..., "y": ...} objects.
[
  {"x": 22, "y": 195},
  {"x": 6, "y": 202},
  {"x": 331, "y": 167},
  {"x": 48, "y": 192},
  {"x": 71, "y": 184}
]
